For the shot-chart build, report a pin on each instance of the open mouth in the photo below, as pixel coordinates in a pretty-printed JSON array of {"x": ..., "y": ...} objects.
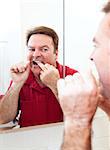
[{"x": 36, "y": 62}]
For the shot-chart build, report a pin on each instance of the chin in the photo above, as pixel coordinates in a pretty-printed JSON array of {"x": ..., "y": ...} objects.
[
  {"x": 106, "y": 91},
  {"x": 36, "y": 71}
]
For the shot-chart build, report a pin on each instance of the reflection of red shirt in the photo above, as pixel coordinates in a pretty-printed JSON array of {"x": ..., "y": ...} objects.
[
  {"x": 38, "y": 104},
  {"x": 1, "y": 96}
]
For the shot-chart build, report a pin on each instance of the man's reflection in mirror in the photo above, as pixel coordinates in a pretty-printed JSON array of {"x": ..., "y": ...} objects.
[{"x": 33, "y": 89}]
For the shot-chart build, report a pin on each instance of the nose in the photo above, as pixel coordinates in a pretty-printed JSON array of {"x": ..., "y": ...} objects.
[
  {"x": 36, "y": 53},
  {"x": 91, "y": 59},
  {"x": 92, "y": 56}
]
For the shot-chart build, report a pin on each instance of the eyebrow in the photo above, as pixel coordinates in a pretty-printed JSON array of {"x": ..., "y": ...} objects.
[
  {"x": 40, "y": 46},
  {"x": 45, "y": 46},
  {"x": 30, "y": 47}
]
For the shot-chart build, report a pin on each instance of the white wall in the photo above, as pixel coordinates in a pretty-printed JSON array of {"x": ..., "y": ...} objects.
[
  {"x": 82, "y": 19},
  {"x": 42, "y": 12},
  {"x": 10, "y": 39}
]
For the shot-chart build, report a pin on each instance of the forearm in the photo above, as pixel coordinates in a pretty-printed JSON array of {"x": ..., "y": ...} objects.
[
  {"x": 55, "y": 92},
  {"x": 54, "y": 89},
  {"x": 76, "y": 137},
  {"x": 9, "y": 104}
]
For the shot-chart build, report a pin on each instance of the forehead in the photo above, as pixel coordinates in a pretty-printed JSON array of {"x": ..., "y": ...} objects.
[
  {"x": 40, "y": 39},
  {"x": 102, "y": 35},
  {"x": 104, "y": 27}
]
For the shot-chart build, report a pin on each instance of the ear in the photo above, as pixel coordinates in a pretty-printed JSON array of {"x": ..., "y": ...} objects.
[{"x": 56, "y": 54}]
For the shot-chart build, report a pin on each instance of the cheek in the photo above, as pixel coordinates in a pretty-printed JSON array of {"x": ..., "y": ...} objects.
[
  {"x": 100, "y": 58},
  {"x": 29, "y": 56},
  {"x": 104, "y": 74},
  {"x": 106, "y": 68},
  {"x": 50, "y": 57}
]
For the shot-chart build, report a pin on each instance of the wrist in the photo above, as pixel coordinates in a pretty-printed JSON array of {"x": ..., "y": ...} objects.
[
  {"x": 77, "y": 135},
  {"x": 17, "y": 85},
  {"x": 77, "y": 122}
]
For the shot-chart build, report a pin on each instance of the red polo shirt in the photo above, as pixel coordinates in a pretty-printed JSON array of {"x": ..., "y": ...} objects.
[
  {"x": 1, "y": 96},
  {"x": 38, "y": 104}
]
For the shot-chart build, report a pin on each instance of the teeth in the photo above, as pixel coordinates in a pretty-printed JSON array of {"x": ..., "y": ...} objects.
[{"x": 37, "y": 61}]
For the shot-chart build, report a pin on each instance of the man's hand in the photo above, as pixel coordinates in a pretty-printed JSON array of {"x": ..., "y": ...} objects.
[
  {"x": 9, "y": 103},
  {"x": 78, "y": 96},
  {"x": 20, "y": 72},
  {"x": 49, "y": 75}
]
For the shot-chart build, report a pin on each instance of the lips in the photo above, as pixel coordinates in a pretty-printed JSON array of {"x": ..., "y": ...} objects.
[{"x": 35, "y": 62}]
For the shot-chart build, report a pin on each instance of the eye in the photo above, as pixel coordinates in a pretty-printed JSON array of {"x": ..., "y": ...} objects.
[
  {"x": 44, "y": 49},
  {"x": 31, "y": 49},
  {"x": 94, "y": 45}
]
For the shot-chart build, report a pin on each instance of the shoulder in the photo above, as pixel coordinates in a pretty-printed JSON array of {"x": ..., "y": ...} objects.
[{"x": 68, "y": 70}]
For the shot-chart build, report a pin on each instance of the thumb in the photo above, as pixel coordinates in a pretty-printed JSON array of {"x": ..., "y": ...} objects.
[
  {"x": 89, "y": 70},
  {"x": 27, "y": 65},
  {"x": 60, "y": 86}
]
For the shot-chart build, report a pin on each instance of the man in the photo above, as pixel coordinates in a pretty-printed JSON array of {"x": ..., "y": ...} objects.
[
  {"x": 34, "y": 86},
  {"x": 80, "y": 94}
]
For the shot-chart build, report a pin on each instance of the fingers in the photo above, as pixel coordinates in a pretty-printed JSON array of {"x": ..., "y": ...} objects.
[
  {"x": 60, "y": 86},
  {"x": 75, "y": 79},
  {"x": 63, "y": 84},
  {"x": 44, "y": 67},
  {"x": 21, "y": 67},
  {"x": 68, "y": 79},
  {"x": 81, "y": 78},
  {"x": 17, "y": 69},
  {"x": 27, "y": 65},
  {"x": 41, "y": 65},
  {"x": 87, "y": 72},
  {"x": 78, "y": 82},
  {"x": 89, "y": 79}
]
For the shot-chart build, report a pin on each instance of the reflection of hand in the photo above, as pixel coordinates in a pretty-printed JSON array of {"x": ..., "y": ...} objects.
[
  {"x": 49, "y": 75},
  {"x": 78, "y": 96},
  {"x": 20, "y": 72}
]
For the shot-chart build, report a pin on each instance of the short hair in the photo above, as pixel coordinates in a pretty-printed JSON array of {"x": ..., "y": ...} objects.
[
  {"x": 106, "y": 8},
  {"x": 46, "y": 31}
]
